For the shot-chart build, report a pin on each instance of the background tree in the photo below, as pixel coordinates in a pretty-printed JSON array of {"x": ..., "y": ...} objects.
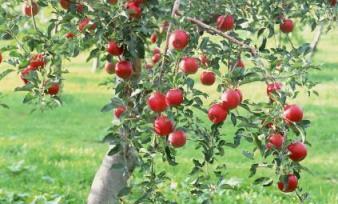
[{"x": 157, "y": 104}]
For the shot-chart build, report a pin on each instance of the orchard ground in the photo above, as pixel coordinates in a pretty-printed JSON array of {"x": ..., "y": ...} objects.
[{"x": 56, "y": 153}]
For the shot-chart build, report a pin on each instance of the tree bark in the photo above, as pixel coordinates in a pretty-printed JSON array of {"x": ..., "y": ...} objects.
[
  {"x": 315, "y": 41},
  {"x": 108, "y": 181},
  {"x": 96, "y": 64}
]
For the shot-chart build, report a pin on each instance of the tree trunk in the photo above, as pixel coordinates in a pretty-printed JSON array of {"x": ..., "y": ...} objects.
[{"x": 108, "y": 181}]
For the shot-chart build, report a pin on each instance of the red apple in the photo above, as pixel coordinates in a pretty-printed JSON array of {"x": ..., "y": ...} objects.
[
  {"x": 112, "y": 1},
  {"x": 240, "y": 95},
  {"x": 153, "y": 38},
  {"x": 293, "y": 113},
  {"x": 217, "y": 113},
  {"x": 30, "y": 10},
  {"x": 204, "y": 60},
  {"x": 114, "y": 49},
  {"x": 333, "y": 2},
  {"x": 177, "y": 139},
  {"x": 85, "y": 24},
  {"x": 286, "y": 26},
  {"x": 156, "y": 51},
  {"x": 0, "y": 57},
  {"x": 297, "y": 151},
  {"x": 174, "y": 97},
  {"x": 163, "y": 126},
  {"x": 208, "y": 78},
  {"x": 240, "y": 64},
  {"x": 37, "y": 61},
  {"x": 25, "y": 72},
  {"x": 273, "y": 88},
  {"x": 156, "y": 58},
  {"x": 178, "y": 39},
  {"x": 119, "y": 111},
  {"x": 124, "y": 69},
  {"x": 225, "y": 23},
  {"x": 65, "y": 4},
  {"x": 291, "y": 184},
  {"x": 189, "y": 65},
  {"x": 276, "y": 140},
  {"x": 109, "y": 67},
  {"x": 79, "y": 7},
  {"x": 231, "y": 99},
  {"x": 157, "y": 102},
  {"x": 70, "y": 35},
  {"x": 134, "y": 10},
  {"x": 53, "y": 89}
]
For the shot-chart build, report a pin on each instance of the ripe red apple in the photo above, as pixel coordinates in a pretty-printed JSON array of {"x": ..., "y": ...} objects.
[
  {"x": 119, "y": 111},
  {"x": 217, "y": 113},
  {"x": 30, "y": 10},
  {"x": 79, "y": 7},
  {"x": 273, "y": 88},
  {"x": 156, "y": 58},
  {"x": 70, "y": 35},
  {"x": 114, "y": 49},
  {"x": 157, "y": 102},
  {"x": 333, "y": 2},
  {"x": 204, "y": 60},
  {"x": 124, "y": 69},
  {"x": 65, "y": 4},
  {"x": 297, "y": 151},
  {"x": 0, "y": 57},
  {"x": 189, "y": 65},
  {"x": 53, "y": 89},
  {"x": 225, "y": 23},
  {"x": 293, "y": 113},
  {"x": 240, "y": 95},
  {"x": 25, "y": 72},
  {"x": 240, "y": 64},
  {"x": 292, "y": 183},
  {"x": 286, "y": 26},
  {"x": 112, "y": 1},
  {"x": 153, "y": 38},
  {"x": 276, "y": 140},
  {"x": 208, "y": 78},
  {"x": 177, "y": 138},
  {"x": 37, "y": 61},
  {"x": 163, "y": 126},
  {"x": 231, "y": 99},
  {"x": 85, "y": 24},
  {"x": 174, "y": 97},
  {"x": 134, "y": 10},
  {"x": 156, "y": 50},
  {"x": 109, "y": 67},
  {"x": 178, "y": 39}
]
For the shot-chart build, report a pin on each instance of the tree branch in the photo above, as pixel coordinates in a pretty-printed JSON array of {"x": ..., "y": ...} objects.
[
  {"x": 213, "y": 30},
  {"x": 173, "y": 12}
]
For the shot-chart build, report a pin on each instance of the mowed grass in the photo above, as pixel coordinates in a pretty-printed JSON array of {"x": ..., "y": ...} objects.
[{"x": 56, "y": 153}]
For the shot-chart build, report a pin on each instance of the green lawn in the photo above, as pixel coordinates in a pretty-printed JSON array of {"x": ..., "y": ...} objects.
[{"x": 56, "y": 153}]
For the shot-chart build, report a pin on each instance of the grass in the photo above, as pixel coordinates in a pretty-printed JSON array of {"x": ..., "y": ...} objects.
[{"x": 55, "y": 154}]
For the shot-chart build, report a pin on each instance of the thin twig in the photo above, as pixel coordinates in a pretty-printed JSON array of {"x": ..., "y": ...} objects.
[
  {"x": 173, "y": 12},
  {"x": 213, "y": 30},
  {"x": 33, "y": 17}
]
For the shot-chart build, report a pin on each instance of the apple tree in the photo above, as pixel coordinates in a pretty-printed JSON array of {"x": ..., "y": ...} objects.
[{"x": 153, "y": 50}]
